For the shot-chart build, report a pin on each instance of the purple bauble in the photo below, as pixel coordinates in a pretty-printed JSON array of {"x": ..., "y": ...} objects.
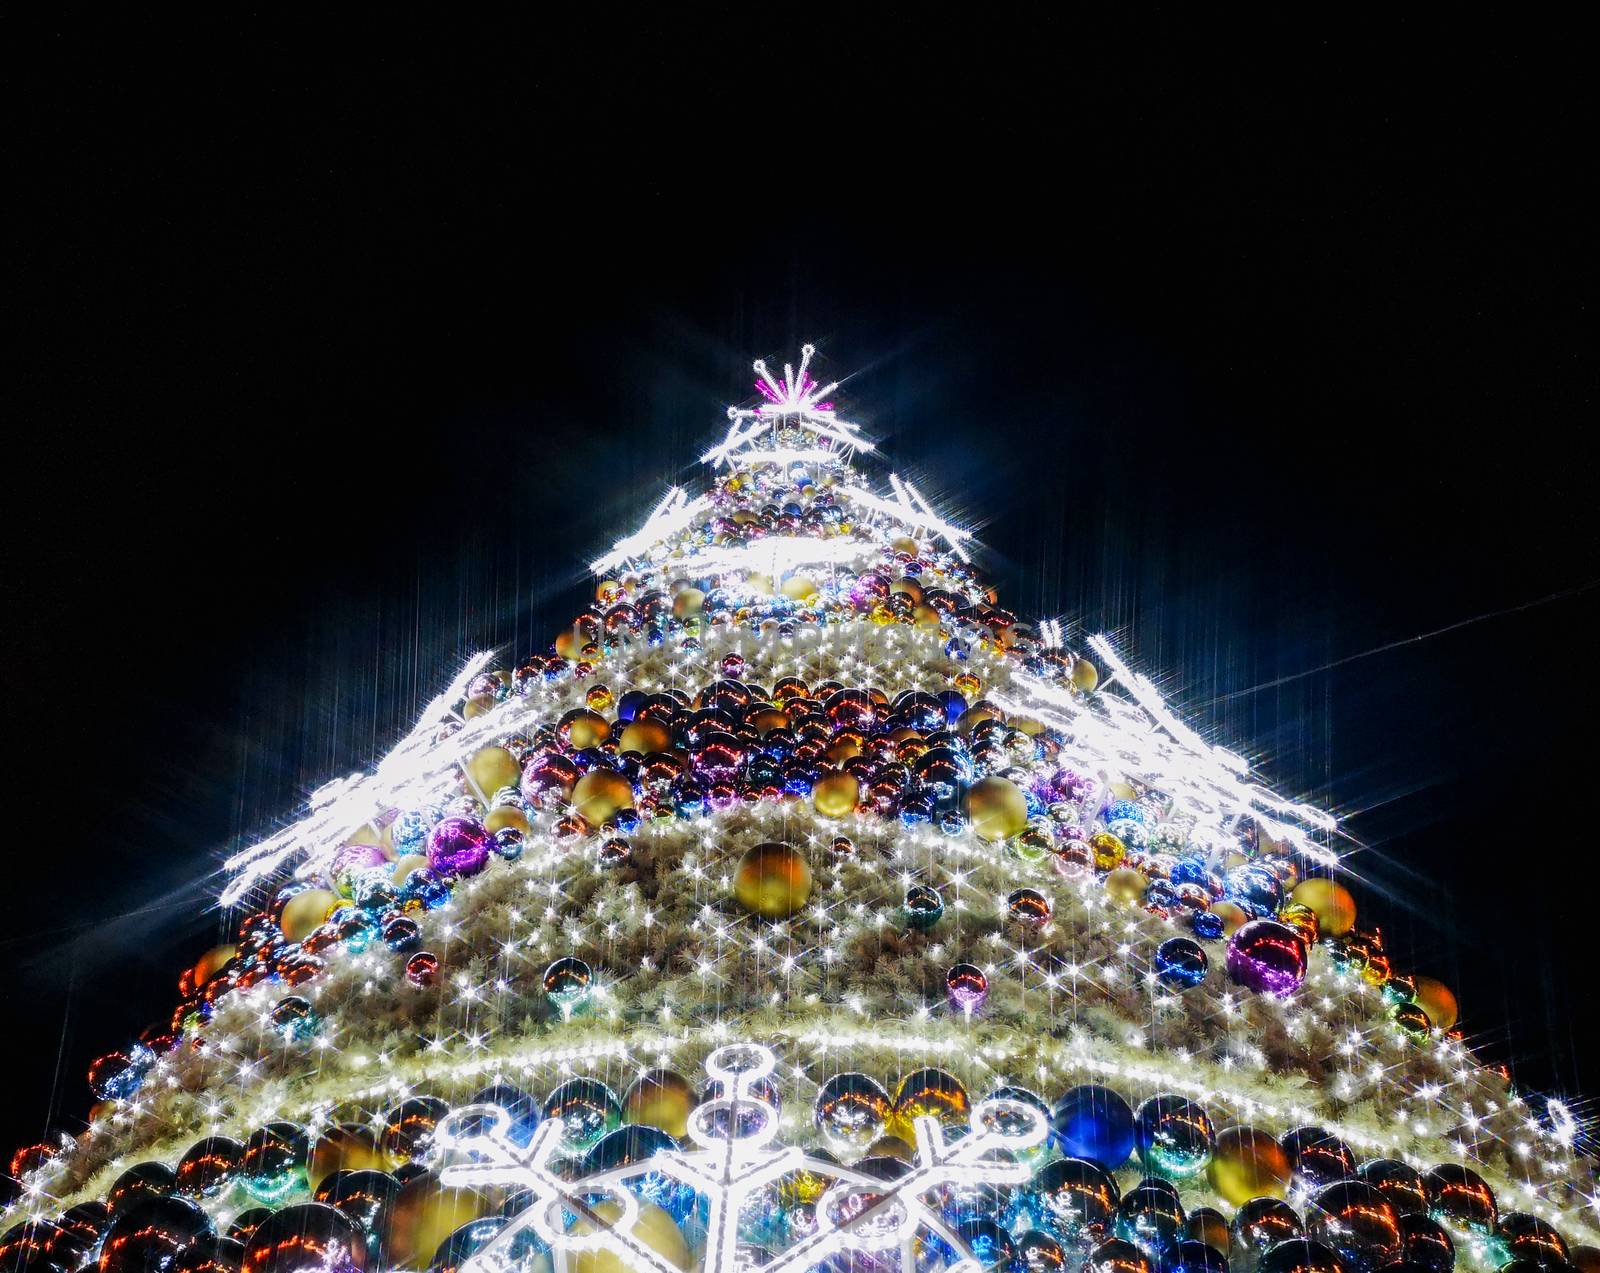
[
  {"x": 1267, "y": 957},
  {"x": 459, "y": 846},
  {"x": 967, "y": 987}
]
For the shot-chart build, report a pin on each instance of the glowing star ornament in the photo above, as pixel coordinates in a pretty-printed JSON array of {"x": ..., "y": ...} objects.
[
  {"x": 798, "y": 401},
  {"x": 734, "y": 1157}
]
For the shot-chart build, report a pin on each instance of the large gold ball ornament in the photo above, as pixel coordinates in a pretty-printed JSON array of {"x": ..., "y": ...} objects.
[
  {"x": 660, "y": 1098},
  {"x": 687, "y": 601},
  {"x": 970, "y": 719},
  {"x": 1438, "y": 1001},
  {"x": 891, "y": 1147},
  {"x": 997, "y": 809},
  {"x": 1247, "y": 1163},
  {"x": 764, "y": 722},
  {"x": 773, "y": 880},
  {"x": 653, "y": 1228},
  {"x": 583, "y": 728},
  {"x": 1232, "y": 916},
  {"x": 1331, "y": 902},
  {"x": 645, "y": 737},
  {"x": 1084, "y": 675},
  {"x": 1125, "y": 886},
  {"x": 493, "y": 768},
  {"x": 835, "y": 795},
  {"x": 304, "y": 912},
  {"x": 932, "y": 1092},
  {"x": 507, "y": 815},
  {"x": 477, "y": 705},
  {"x": 599, "y": 794},
  {"x": 213, "y": 962},
  {"x": 798, "y": 588},
  {"x": 344, "y": 1147},
  {"x": 424, "y": 1213}
]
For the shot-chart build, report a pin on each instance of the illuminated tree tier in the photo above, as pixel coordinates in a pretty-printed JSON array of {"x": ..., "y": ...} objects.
[{"x": 801, "y": 908}]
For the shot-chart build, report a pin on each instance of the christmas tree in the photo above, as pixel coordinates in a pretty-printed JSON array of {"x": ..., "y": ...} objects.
[{"x": 799, "y": 908}]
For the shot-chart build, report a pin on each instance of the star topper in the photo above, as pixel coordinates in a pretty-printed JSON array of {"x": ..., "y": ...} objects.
[{"x": 797, "y": 399}]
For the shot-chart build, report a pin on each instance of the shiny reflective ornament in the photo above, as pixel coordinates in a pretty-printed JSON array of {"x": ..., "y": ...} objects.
[
  {"x": 459, "y": 846},
  {"x": 209, "y": 1255},
  {"x": 588, "y": 1110},
  {"x": 928, "y": 1092},
  {"x": 117, "y": 1075},
  {"x": 1319, "y": 1158},
  {"x": 1425, "y": 1244},
  {"x": 1174, "y": 1136},
  {"x": 632, "y": 1145},
  {"x": 653, "y": 1228},
  {"x": 491, "y": 769},
  {"x": 966, "y": 987},
  {"x": 842, "y": 846},
  {"x": 1192, "y": 1256},
  {"x": 295, "y": 1019},
  {"x": 402, "y": 934},
  {"x": 1330, "y": 901},
  {"x": 852, "y": 1111},
  {"x": 1460, "y": 1197},
  {"x": 613, "y": 854},
  {"x": 1074, "y": 1199},
  {"x": 1301, "y": 1255},
  {"x": 303, "y": 914},
  {"x": 773, "y": 880},
  {"x": 1125, "y": 886},
  {"x": 568, "y": 983},
  {"x": 1029, "y": 907},
  {"x": 1355, "y": 1221},
  {"x": 1438, "y": 1001},
  {"x": 1208, "y": 1225},
  {"x": 274, "y": 1161},
  {"x": 1181, "y": 963},
  {"x": 422, "y": 969},
  {"x": 361, "y": 1194},
  {"x": 312, "y": 1237},
  {"x": 1267, "y": 957},
  {"x": 836, "y": 795},
  {"x": 1117, "y": 1255},
  {"x": 600, "y": 795},
  {"x": 346, "y": 1147},
  {"x": 1150, "y": 1216},
  {"x": 923, "y": 906},
  {"x": 1039, "y": 1252},
  {"x": 209, "y": 1167},
  {"x": 1107, "y": 850},
  {"x": 1411, "y": 1021},
  {"x": 1095, "y": 1124},
  {"x": 423, "y": 1214},
  {"x": 996, "y": 808},
  {"x": 1527, "y": 1237},
  {"x": 1261, "y": 1224},
  {"x": 151, "y": 1233},
  {"x": 1400, "y": 1184},
  {"x": 660, "y": 1098},
  {"x": 409, "y": 1128},
  {"x": 1248, "y": 1163}
]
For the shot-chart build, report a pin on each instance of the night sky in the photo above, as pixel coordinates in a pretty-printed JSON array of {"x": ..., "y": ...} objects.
[{"x": 1258, "y": 350}]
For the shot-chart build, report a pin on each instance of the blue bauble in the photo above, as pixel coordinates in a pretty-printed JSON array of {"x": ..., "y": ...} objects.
[
  {"x": 636, "y": 1143},
  {"x": 1181, "y": 963},
  {"x": 1095, "y": 1124},
  {"x": 1207, "y": 925},
  {"x": 1189, "y": 1256},
  {"x": 990, "y": 1245},
  {"x": 524, "y": 1110},
  {"x": 1254, "y": 889}
]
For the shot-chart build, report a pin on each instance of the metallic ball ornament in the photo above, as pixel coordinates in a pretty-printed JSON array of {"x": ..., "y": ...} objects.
[
  {"x": 1459, "y": 1196},
  {"x": 923, "y": 906},
  {"x": 653, "y": 1228},
  {"x": 1526, "y": 1237},
  {"x": 1208, "y": 1225},
  {"x": 1267, "y": 957},
  {"x": 1125, "y": 886},
  {"x": 836, "y": 795},
  {"x": 996, "y": 808},
  {"x": 1191, "y": 1256},
  {"x": 303, "y": 913},
  {"x": 1300, "y": 1255},
  {"x": 932, "y": 1093},
  {"x": 344, "y": 1147},
  {"x": 409, "y": 1127},
  {"x": 568, "y": 983},
  {"x": 1181, "y": 963},
  {"x": 1248, "y": 1163},
  {"x": 1074, "y": 1199},
  {"x": 773, "y": 880},
  {"x": 1261, "y": 1224},
  {"x": 312, "y": 1237},
  {"x": 1150, "y": 1216},
  {"x": 1355, "y": 1221},
  {"x": 1095, "y": 1124},
  {"x": 599, "y": 794},
  {"x": 966, "y": 987},
  {"x": 852, "y": 1111},
  {"x": 1425, "y": 1244},
  {"x": 1438, "y": 1001},
  {"x": 151, "y": 1233},
  {"x": 209, "y": 1167},
  {"x": 660, "y": 1098},
  {"x": 1174, "y": 1136},
  {"x": 423, "y": 1214},
  {"x": 459, "y": 846},
  {"x": 588, "y": 1110},
  {"x": 274, "y": 1161},
  {"x": 1330, "y": 902},
  {"x": 1117, "y": 1255},
  {"x": 1029, "y": 907},
  {"x": 362, "y": 1195}
]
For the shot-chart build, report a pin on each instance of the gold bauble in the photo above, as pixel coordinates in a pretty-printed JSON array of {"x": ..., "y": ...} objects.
[
  {"x": 769, "y": 719},
  {"x": 654, "y": 1228},
  {"x": 1439, "y": 1002},
  {"x": 423, "y": 1215},
  {"x": 1121, "y": 791},
  {"x": 212, "y": 962},
  {"x": 904, "y": 544},
  {"x": 1231, "y": 914},
  {"x": 1248, "y": 1163},
  {"x": 599, "y": 794},
  {"x": 997, "y": 809},
  {"x": 932, "y": 1092},
  {"x": 660, "y": 1098},
  {"x": 891, "y": 1147},
  {"x": 493, "y": 768},
  {"x": 477, "y": 706},
  {"x": 584, "y": 728},
  {"x": 798, "y": 588},
  {"x": 773, "y": 880},
  {"x": 1126, "y": 886},
  {"x": 687, "y": 601},
  {"x": 1208, "y": 1225},
  {"x": 304, "y": 912},
  {"x": 925, "y": 616},
  {"x": 409, "y": 863},
  {"x": 645, "y": 737},
  {"x": 973, "y": 717},
  {"x": 908, "y": 588},
  {"x": 569, "y": 644},
  {"x": 1335, "y": 909},
  {"x": 1108, "y": 851},
  {"x": 1084, "y": 675},
  {"x": 344, "y": 1147},
  {"x": 835, "y": 795},
  {"x": 1027, "y": 725},
  {"x": 507, "y": 815}
]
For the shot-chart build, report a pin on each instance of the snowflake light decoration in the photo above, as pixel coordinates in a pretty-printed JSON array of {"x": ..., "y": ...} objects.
[
  {"x": 734, "y": 1157},
  {"x": 796, "y": 400}
]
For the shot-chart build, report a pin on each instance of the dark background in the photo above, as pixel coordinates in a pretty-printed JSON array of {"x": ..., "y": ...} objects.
[{"x": 1258, "y": 348}]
